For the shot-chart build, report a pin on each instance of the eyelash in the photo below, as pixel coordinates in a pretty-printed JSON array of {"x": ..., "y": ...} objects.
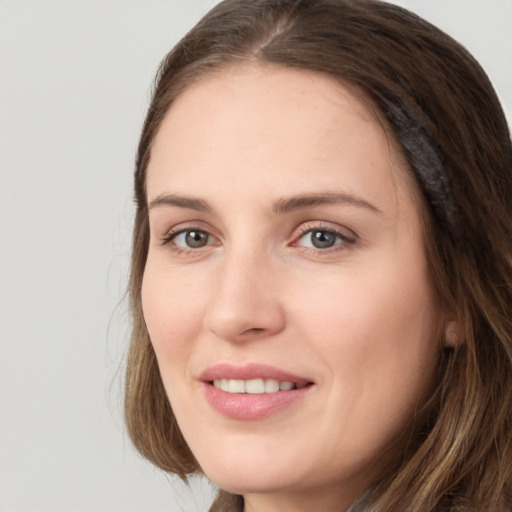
[
  {"x": 168, "y": 239},
  {"x": 341, "y": 240},
  {"x": 341, "y": 236}
]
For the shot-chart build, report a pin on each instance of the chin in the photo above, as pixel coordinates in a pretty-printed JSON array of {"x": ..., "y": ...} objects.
[
  {"x": 249, "y": 484},
  {"x": 247, "y": 478}
]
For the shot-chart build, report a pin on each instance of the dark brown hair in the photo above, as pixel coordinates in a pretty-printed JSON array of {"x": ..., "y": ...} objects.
[{"x": 443, "y": 113}]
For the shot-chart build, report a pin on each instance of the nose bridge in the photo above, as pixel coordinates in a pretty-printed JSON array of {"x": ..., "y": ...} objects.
[{"x": 244, "y": 304}]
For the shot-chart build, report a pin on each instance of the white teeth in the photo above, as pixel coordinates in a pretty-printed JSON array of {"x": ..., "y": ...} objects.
[
  {"x": 286, "y": 386},
  {"x": 271, "y": 386},
  {"x": 236, "y": 386},
  {"x": 255, "y": 386}
]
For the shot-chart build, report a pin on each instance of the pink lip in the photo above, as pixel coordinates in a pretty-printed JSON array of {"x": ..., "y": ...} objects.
[
  {"x": 247, "y": 406},
  {"x": 249, "y": 371}
]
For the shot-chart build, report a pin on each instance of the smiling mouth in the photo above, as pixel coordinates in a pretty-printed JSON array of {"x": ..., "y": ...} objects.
[
  {"x": 252, "y": 391},
  {"x": 256, "y": 386}
]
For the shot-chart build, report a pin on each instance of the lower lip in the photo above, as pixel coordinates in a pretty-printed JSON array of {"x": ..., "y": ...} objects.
[{"x": 246, "y": 406}]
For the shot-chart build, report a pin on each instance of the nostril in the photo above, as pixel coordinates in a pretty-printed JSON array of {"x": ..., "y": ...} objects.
[
  {"x": 240, "y": 319},
  {"x": 252, "y": 331}
]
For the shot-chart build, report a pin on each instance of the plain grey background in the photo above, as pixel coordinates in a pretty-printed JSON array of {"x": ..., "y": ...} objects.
[{"x": 75, "y": 79}]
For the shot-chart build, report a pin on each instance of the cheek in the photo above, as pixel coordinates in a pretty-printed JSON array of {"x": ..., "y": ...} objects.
[
  {"x": 376, "y": 334},
  {"x": 172, "y": 310},
  {"x": 378, "y": 346}
]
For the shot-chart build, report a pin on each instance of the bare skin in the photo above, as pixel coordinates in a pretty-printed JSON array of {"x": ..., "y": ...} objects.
[{"x": 283, "y": 234}]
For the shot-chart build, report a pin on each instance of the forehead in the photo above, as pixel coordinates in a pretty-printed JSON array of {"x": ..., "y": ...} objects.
[
  {"x": 282, "y": 126},
  {"x": 262, "y": 87}
]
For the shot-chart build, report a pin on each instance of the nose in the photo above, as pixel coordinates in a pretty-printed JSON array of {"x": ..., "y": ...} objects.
[{"x": 246, "y": 302}]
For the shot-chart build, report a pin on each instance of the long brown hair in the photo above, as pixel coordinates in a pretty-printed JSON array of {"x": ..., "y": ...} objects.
[{"x": 441, "y": 109}]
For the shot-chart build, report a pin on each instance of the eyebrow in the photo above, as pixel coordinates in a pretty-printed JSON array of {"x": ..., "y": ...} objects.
[
  {"x": 281, "y": 206},
  {"x": 291, "y": 204},
  {"x": 190, "y": 203}
]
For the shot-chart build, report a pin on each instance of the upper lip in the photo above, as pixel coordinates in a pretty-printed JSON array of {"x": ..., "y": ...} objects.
[{"x": 250, "y": 371}]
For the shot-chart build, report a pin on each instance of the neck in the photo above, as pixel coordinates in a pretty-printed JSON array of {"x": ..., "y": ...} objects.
[{"x": 324, "y": 500}]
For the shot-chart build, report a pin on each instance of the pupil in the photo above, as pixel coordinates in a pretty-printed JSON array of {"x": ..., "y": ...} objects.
[
  {"x": 196, "y": 239},
  {"x": 323, "y": 239}
]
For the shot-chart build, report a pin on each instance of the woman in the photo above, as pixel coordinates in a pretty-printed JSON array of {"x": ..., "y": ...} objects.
[{"x": 321, "y": 275}]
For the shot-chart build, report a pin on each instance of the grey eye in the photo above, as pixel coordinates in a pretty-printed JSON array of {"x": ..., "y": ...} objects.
[
  {"x": 196, "y": 239},
  {"x": 323, "y": 239},
  {"x": 320, "y": 239},
  {"x": 191, "y": 239}
]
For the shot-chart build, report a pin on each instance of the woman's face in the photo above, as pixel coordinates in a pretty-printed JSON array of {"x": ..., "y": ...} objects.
[{"x": 286, "y": 248}]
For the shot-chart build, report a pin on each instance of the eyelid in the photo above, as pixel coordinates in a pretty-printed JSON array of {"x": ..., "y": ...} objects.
[
  {"x": 183, "y": 227},
  {"x": 347, "y": 236},
  {"x": 343, "y": 231},
  {"x": 175, "y": 236}
]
